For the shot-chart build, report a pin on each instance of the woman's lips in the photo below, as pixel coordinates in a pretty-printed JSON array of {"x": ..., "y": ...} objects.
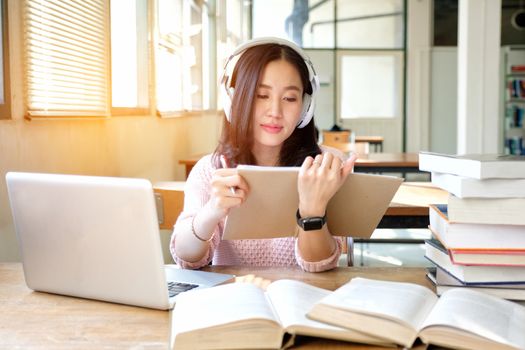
[{"x": 272, "y": 129}]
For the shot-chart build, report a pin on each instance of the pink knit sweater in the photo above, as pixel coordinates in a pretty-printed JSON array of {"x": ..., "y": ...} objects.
[{"x": 252, "y": 252}]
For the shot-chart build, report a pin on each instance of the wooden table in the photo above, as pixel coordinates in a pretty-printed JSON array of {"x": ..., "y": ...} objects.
[
  {"x": 343, "y": 136},
  {"x": 34, "y": 320},
  {"x": 368, "y": 163},
  {"x": 410, "y": 205},
  {"x": 408, "y": 209},
  {"x": 388, "y": 163},
  {"x": 375, "y": 141}
]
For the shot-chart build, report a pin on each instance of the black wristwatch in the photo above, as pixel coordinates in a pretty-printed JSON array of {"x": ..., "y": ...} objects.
[{"x": 311, "y": 223}]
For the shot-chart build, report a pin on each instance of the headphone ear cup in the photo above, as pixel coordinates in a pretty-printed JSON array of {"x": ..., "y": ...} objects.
[
  {"x": 226, "y": 96},
  {"x": 307, "y": 112}
]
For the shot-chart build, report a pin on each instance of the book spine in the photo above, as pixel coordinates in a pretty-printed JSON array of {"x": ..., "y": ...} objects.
[{"x": 517, "y": 68}]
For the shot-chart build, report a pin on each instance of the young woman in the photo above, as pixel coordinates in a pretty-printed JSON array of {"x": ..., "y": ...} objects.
[{"x": 268, "y": 122}]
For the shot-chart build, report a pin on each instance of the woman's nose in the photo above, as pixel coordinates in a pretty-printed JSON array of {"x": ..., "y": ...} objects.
[{"x": 275, "y": 107}]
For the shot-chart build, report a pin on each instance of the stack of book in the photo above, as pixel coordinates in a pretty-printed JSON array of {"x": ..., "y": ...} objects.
[{"x": 479, "y": 236}]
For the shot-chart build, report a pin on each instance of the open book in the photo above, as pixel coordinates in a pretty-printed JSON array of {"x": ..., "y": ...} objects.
[
  {"x": 400, "y": 312},
  {"x": 270, "y": 207},
  {"x": 244, "y": 316}
]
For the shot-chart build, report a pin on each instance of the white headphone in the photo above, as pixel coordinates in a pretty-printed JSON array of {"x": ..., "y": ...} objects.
[{"x": 227, "y": 90}]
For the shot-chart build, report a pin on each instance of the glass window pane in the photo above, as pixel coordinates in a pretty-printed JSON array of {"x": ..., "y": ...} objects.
[
  {"x": 319, "y": 31},
  {"x": 170, "y": 20},
  {"x": 193, "y": 57},
  {"x": 233, "y": 28},
  {"x": 370, "y": 87},
  {"x": 270, "y": 11},
  {"x": 308, "y": 23},
  {"x": 169, "y": 82},
  {"x": 370, "y": 23},
  {"x": 179, "y": 66},
  {"x": 445, "y": 23},
  {"x": 237, "y": 21},
  {"x": 129, "y": 54}
]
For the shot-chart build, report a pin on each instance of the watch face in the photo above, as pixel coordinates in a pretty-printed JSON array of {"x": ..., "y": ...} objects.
[{"x": 310, "y": 224}]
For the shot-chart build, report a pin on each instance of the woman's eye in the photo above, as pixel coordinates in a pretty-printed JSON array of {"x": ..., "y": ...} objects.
[
  {"x": 262, "y": 96},
  {"x": 290, "y": 99}
]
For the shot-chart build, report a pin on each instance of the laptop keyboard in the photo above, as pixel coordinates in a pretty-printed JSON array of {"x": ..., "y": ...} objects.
[{"x": 175, "y": 288}]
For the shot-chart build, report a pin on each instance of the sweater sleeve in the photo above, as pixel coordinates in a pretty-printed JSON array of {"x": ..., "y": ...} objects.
[
  {"x": 196, "y": 195},
  {"x": 319, "y": 266}
]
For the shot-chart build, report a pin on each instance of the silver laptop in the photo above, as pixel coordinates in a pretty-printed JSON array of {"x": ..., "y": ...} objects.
[{"x": 97, "y": 238}]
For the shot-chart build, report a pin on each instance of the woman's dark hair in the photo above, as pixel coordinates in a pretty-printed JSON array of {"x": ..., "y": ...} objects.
[{"x": 236, "y": 139}]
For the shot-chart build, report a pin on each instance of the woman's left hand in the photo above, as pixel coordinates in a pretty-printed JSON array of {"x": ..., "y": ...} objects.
[{"x": 319, "y": 179}]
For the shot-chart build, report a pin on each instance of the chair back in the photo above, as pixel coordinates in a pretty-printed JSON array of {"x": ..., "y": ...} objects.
[{"x": 331, "y": 137}]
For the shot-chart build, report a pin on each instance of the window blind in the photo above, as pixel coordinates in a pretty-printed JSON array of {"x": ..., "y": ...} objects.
[{"x": 67, "y": 58}]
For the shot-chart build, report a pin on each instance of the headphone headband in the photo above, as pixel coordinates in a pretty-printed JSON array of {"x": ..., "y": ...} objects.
[{"x": 227, "y": 90}]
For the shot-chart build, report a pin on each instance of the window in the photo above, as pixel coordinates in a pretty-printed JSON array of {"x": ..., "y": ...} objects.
[
  {"x": 373, "y": 89},
  {"x": 66, "y": 58},
  {"x": 179, "y": 56},
  {"x": 336, "y": 24},
  {"x": 233, "y": 27},
  {"x": 123, "y": 57},
  {"x": 129, "y": 57},
  {"x": 309, "y": 24},
  {"x": 70, "y": 70},
  {"x": 366, "y": 24},
  {"x": 371, "y": 80},
  {"x": 368, "y": 39},
  {"x": 446, "y": 22},
  {"x": 5, "y": 96}
]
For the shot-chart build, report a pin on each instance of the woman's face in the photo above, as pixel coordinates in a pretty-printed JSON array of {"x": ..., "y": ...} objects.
[{"x": 278, "y": 104}]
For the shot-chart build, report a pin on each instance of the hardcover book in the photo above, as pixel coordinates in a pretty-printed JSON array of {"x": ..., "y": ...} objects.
[
  {"x": 500, "y": 211},
  {"x": 477, "y": 166},
  {"x": 465, "y": 187},
  {"x": 443, "y": 282},
  {"x": 437, "y": 254},
  {"x": 455, "y": 235},
  {"x": 402, "y": 312},
  {"x": 481, "y": 257},
  {"x": 244, "y": 316}
]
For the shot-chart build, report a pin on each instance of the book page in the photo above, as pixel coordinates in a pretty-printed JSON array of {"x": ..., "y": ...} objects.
[
  {"x": 292, "y": 299},
  {"x": 219, "y": 305},
  {"x": 405, "y": 303},
  {"x": 483, "y": 315}
]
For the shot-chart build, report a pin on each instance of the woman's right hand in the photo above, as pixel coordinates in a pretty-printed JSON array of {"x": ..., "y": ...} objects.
[{"x": 228, "y": 190}]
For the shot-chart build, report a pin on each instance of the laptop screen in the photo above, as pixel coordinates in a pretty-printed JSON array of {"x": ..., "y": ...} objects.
[{"x": 89, "y": 236}]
